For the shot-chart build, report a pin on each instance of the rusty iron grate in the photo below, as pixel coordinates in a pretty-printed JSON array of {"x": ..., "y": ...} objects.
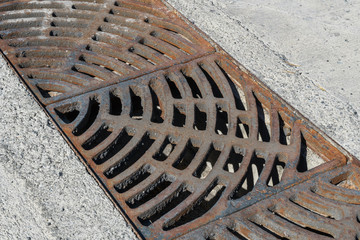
[{"x": 184, "y": 140}]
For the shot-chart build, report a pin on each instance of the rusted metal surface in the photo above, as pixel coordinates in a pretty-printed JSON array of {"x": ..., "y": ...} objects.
[
  {"x": 184, "y": 146},
  {"x": 183, "y": 139},
  {"x": 64, "y": 48},
  {"x": 324, "y": 207}
]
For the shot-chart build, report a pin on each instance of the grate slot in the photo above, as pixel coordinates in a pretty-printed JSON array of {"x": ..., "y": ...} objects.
[
  {"x": 250, "y": 178},
  {"x": 89, "y": 118},
  {"x": 119, "y": 143},
  {"x": 136, "y": 178},
  {"x": 150, "y": 192},
  {"x": 208, "y": 163},
  {"x": 152, "y": 215},
  {"x": 186, "y": 156},
  {"x": 199, "y": 207},
  {"x": 157, "y": 113},
  {"x": 222, "y": 121},
  {"x": 136, "y": 106},
  {"x": 234, "y": 160},
  {"x": 135, "y": 154},
  {"x": 167, "y": 147},
  {"x": 100, "y": 135},
  {"x": 179, "y": 116}
]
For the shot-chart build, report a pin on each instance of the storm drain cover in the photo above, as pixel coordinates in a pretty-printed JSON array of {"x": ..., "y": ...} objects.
[{"x": 184, "y": 140}]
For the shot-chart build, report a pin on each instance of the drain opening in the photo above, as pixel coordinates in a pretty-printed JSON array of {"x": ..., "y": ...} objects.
[
  {"x": 214, "y": 87},
  {"x": 276, "y": 172},
  {"x": 235, "y": 233},
  {"x": 308, "y": 159},
  {"x": 271, "y": 232},
  {"x": 150, "y": 192},
  {"x": 222, "y": 122},
  {"x": 179, "y": 115},
  {"x": 115, "y": 104},
  {"x": 100, "y": 135},
  {"x": 136, "y": 178},
  {"x": 89, "y": 118},
  {"x": 234, "y": 160},
  {"x": 200, "y": 120},
  {"x": 196, "y": 93},
  {"x": 208, "y": 163},
  {"x": 165, "y": 150},
  {"x": 293, "y": 220},
  {"x": 157, "y": 113},
  {"x": 49, "y": 91},
  {"x": 136, "y": 106},
  {"x": 285, "y": 132},
  {"x": 119, "y": 143},
  {"x": 175, "y": 92},
  {"x": 201, "y": 206},
  {"x": 68, "y": 113},
  {"x": 242, "y": 129},
  {"x": 264, "y": 127},
  {"x": 186, "y": 156},
  {"x": 250, "y": 178},
  {"x": 238, "y": 93},
  {"x": 177, "y": 197},
  {"x": 135, "y": 154}
]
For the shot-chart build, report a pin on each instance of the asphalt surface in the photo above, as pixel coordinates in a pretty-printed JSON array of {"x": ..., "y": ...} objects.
[{"x": 306, "y": 51}]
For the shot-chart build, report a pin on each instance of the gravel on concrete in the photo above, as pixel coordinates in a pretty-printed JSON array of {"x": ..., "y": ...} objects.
[{"x": 307, "y": 54}]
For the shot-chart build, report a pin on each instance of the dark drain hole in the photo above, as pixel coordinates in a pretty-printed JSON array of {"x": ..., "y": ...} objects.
[
  {"x": 152, "y": 191},
  {"x": 67, "y": 113},
  {"x": 234, "y": 161},
  {"x": 186, "y": 156},
  {"x": 179, "y": 116},
  {"x": 165, "y": 206},
  {"x": 121, "y": 140},
  {"x": 165, "y": 150},
  {"x": 199, "y": 208},
  {"x": 236, "y": 233},
  {"x": 250, "y": 178},
  {"x": 264, "y": 128},
  {"x": 134, "y": 155},
  {"x": 207, "y": 164},
  {"x": 48, "y": 93},
  {"x": 200, "y": 119},
  {"x": 156, "y": 108},
  {"x": 173, "y": 88},
  {"x": 273, "y": 210},
  {"x": 136, "y": 178},
  {"x": 242, "y": 129},
  {"x": 214, "y": 87},
  {"x": 115, "y": 104},
  {"x": 222, "y": 121},
  {"x": 276, "y": 172},
  {"x": 269, "y": 231},
  {"x": 239, "y": 103},
  {"x": 285, "y": 132},
  {"x": 89, "y": 119},
  {"x": 100, "y": 135},
  {"x": 193, "y": 86},
  {"x": 136, "y": 106}
]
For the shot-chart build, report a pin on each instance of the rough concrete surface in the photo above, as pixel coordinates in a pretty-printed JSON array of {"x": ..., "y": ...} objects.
[
  {"x": 306, "y": 51},
  {"x": 45, "y": 191}
]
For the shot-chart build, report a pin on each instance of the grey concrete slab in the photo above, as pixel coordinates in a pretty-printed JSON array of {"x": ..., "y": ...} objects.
[{"x": 46, "y": 193}]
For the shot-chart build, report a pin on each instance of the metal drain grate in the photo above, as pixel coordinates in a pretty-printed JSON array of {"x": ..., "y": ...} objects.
[
  {"x": 63, "y": 48},
  {"x": 184, "y": 140}
]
